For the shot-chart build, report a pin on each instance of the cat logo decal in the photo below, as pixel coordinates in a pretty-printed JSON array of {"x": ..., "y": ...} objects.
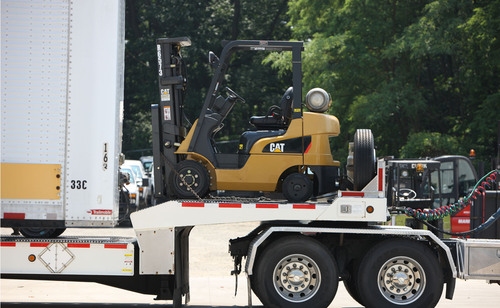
[{"x": 277, "y": 147}]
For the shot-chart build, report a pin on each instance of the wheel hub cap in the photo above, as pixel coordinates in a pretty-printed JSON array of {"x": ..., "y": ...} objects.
[
  {"x": 189, "y": 179},
  {"x": 297, "y": 278},
  {"x": 401, "y": 280}
]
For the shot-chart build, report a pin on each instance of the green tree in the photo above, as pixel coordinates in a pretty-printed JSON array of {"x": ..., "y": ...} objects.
[
  {"x": 207, "y": 24},
  {"x": 401, "y": 67},
  {"x": 425, "y": 144}
]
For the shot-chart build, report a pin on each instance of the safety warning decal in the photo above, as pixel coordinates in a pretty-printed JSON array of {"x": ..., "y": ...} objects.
[{"x": 167, "y": 115}]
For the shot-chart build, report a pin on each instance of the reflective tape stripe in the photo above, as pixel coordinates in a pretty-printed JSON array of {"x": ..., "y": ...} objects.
[
  {"x": 115, "y": 246},
  {"x": 304, "y": 206},
  {"x": 39, "y": 244},
  {"x": 380, "y": 179},
  {"x": 14, "y": 215},
  {"x": 267, "y": 205},
  {"x": 353, "y": 194},
  {"x": 193, "y": 204},
  {"x": 230, "y": 205},
  {"x": 75, "y": 245}
]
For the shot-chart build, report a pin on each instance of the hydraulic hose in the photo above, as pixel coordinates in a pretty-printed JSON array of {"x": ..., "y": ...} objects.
[
  {"x": 479, "y": 228},
  {"x": 486, "y": 182}
]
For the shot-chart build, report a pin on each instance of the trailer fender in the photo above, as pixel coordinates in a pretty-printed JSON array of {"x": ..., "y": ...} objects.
[{"x": 449, "y": 262}]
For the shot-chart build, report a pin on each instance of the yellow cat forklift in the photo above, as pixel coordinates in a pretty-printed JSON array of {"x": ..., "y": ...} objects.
[{"x": 288, "y": 149}]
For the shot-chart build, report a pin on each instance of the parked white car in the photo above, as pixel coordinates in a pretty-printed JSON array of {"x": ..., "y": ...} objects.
[
  {"x": 132, "y": 188},
  {"x": 142, "y": 181},
  {"x": 147, "y": 162}
]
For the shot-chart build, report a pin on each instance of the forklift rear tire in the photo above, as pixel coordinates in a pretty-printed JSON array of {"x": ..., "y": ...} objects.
[
  {"x": 365, "y": 162},
  {"x": 187, "y": 177},
  {"x": 297, "y": 187}
]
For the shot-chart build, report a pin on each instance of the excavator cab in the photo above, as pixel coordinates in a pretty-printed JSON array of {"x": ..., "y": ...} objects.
[{"x": 287, "y": 150}]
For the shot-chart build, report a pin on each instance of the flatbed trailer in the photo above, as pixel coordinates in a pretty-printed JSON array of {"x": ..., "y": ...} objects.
[{"x": 313, "y": 245}]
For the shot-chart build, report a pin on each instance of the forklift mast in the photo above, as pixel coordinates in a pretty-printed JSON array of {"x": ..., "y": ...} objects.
[{"x": 167, "y": 116}]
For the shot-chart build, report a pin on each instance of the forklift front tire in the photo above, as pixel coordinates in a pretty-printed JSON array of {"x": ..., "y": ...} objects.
[
  {"x": 297, "y": 187},
  {"x": 189, "y": 180}
]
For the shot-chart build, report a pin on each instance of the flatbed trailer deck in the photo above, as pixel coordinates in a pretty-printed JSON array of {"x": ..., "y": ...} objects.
[{"x": 156, "y": 260}]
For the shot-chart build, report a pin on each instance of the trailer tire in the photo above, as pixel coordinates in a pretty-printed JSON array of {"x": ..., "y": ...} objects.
[
  {"x": 310, "y": 270},
  {"x": 41, "y": 232},
  {"x": 400, "y": 273},
  {"x": 365, "y": 161},
  {"x": 194, "y": 174},
  {"x": 352, "y": 288},
  {"x": 351, "y": 284}
]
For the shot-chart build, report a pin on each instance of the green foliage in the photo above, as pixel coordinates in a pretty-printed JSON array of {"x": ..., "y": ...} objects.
[
  {"x": 207, "y": 24},
  {"x": 426, "y": 144},
  {"x": 402, "y": 67}
]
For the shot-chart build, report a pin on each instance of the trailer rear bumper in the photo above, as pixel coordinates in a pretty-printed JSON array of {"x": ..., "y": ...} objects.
[{"x": 478, "y": 259}]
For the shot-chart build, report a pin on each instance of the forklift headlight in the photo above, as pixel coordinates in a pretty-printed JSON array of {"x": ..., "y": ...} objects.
[{"x": 318, "y": 100}]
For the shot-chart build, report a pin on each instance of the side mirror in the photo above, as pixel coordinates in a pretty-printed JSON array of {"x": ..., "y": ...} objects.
[
  {"x": 145, "y": 182},
  {"x": 213, "y": 59}
]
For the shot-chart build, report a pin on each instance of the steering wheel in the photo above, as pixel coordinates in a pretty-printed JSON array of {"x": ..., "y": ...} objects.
[
  {"x": 407, "y": 193},
  {"x": 234, "y": 95}
]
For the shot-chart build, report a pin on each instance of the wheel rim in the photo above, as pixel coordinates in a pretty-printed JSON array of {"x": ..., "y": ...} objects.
[
  {"x": 401, "y": 280},
  {"x": 296, "y": 278},
  {"x": 189, "y": 178}
]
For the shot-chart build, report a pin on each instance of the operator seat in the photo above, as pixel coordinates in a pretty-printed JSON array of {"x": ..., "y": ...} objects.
[{"x": 278, "y": 117}]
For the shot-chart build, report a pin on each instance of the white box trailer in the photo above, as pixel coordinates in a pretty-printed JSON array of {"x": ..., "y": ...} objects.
[{"x": 61, "y": 112}]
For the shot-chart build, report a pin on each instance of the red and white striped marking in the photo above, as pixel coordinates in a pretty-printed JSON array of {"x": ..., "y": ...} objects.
[
  {"x": 298, "y": 206},
  {"x": 87, "y": 257},
  {"x": 69, "y": 245}
]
